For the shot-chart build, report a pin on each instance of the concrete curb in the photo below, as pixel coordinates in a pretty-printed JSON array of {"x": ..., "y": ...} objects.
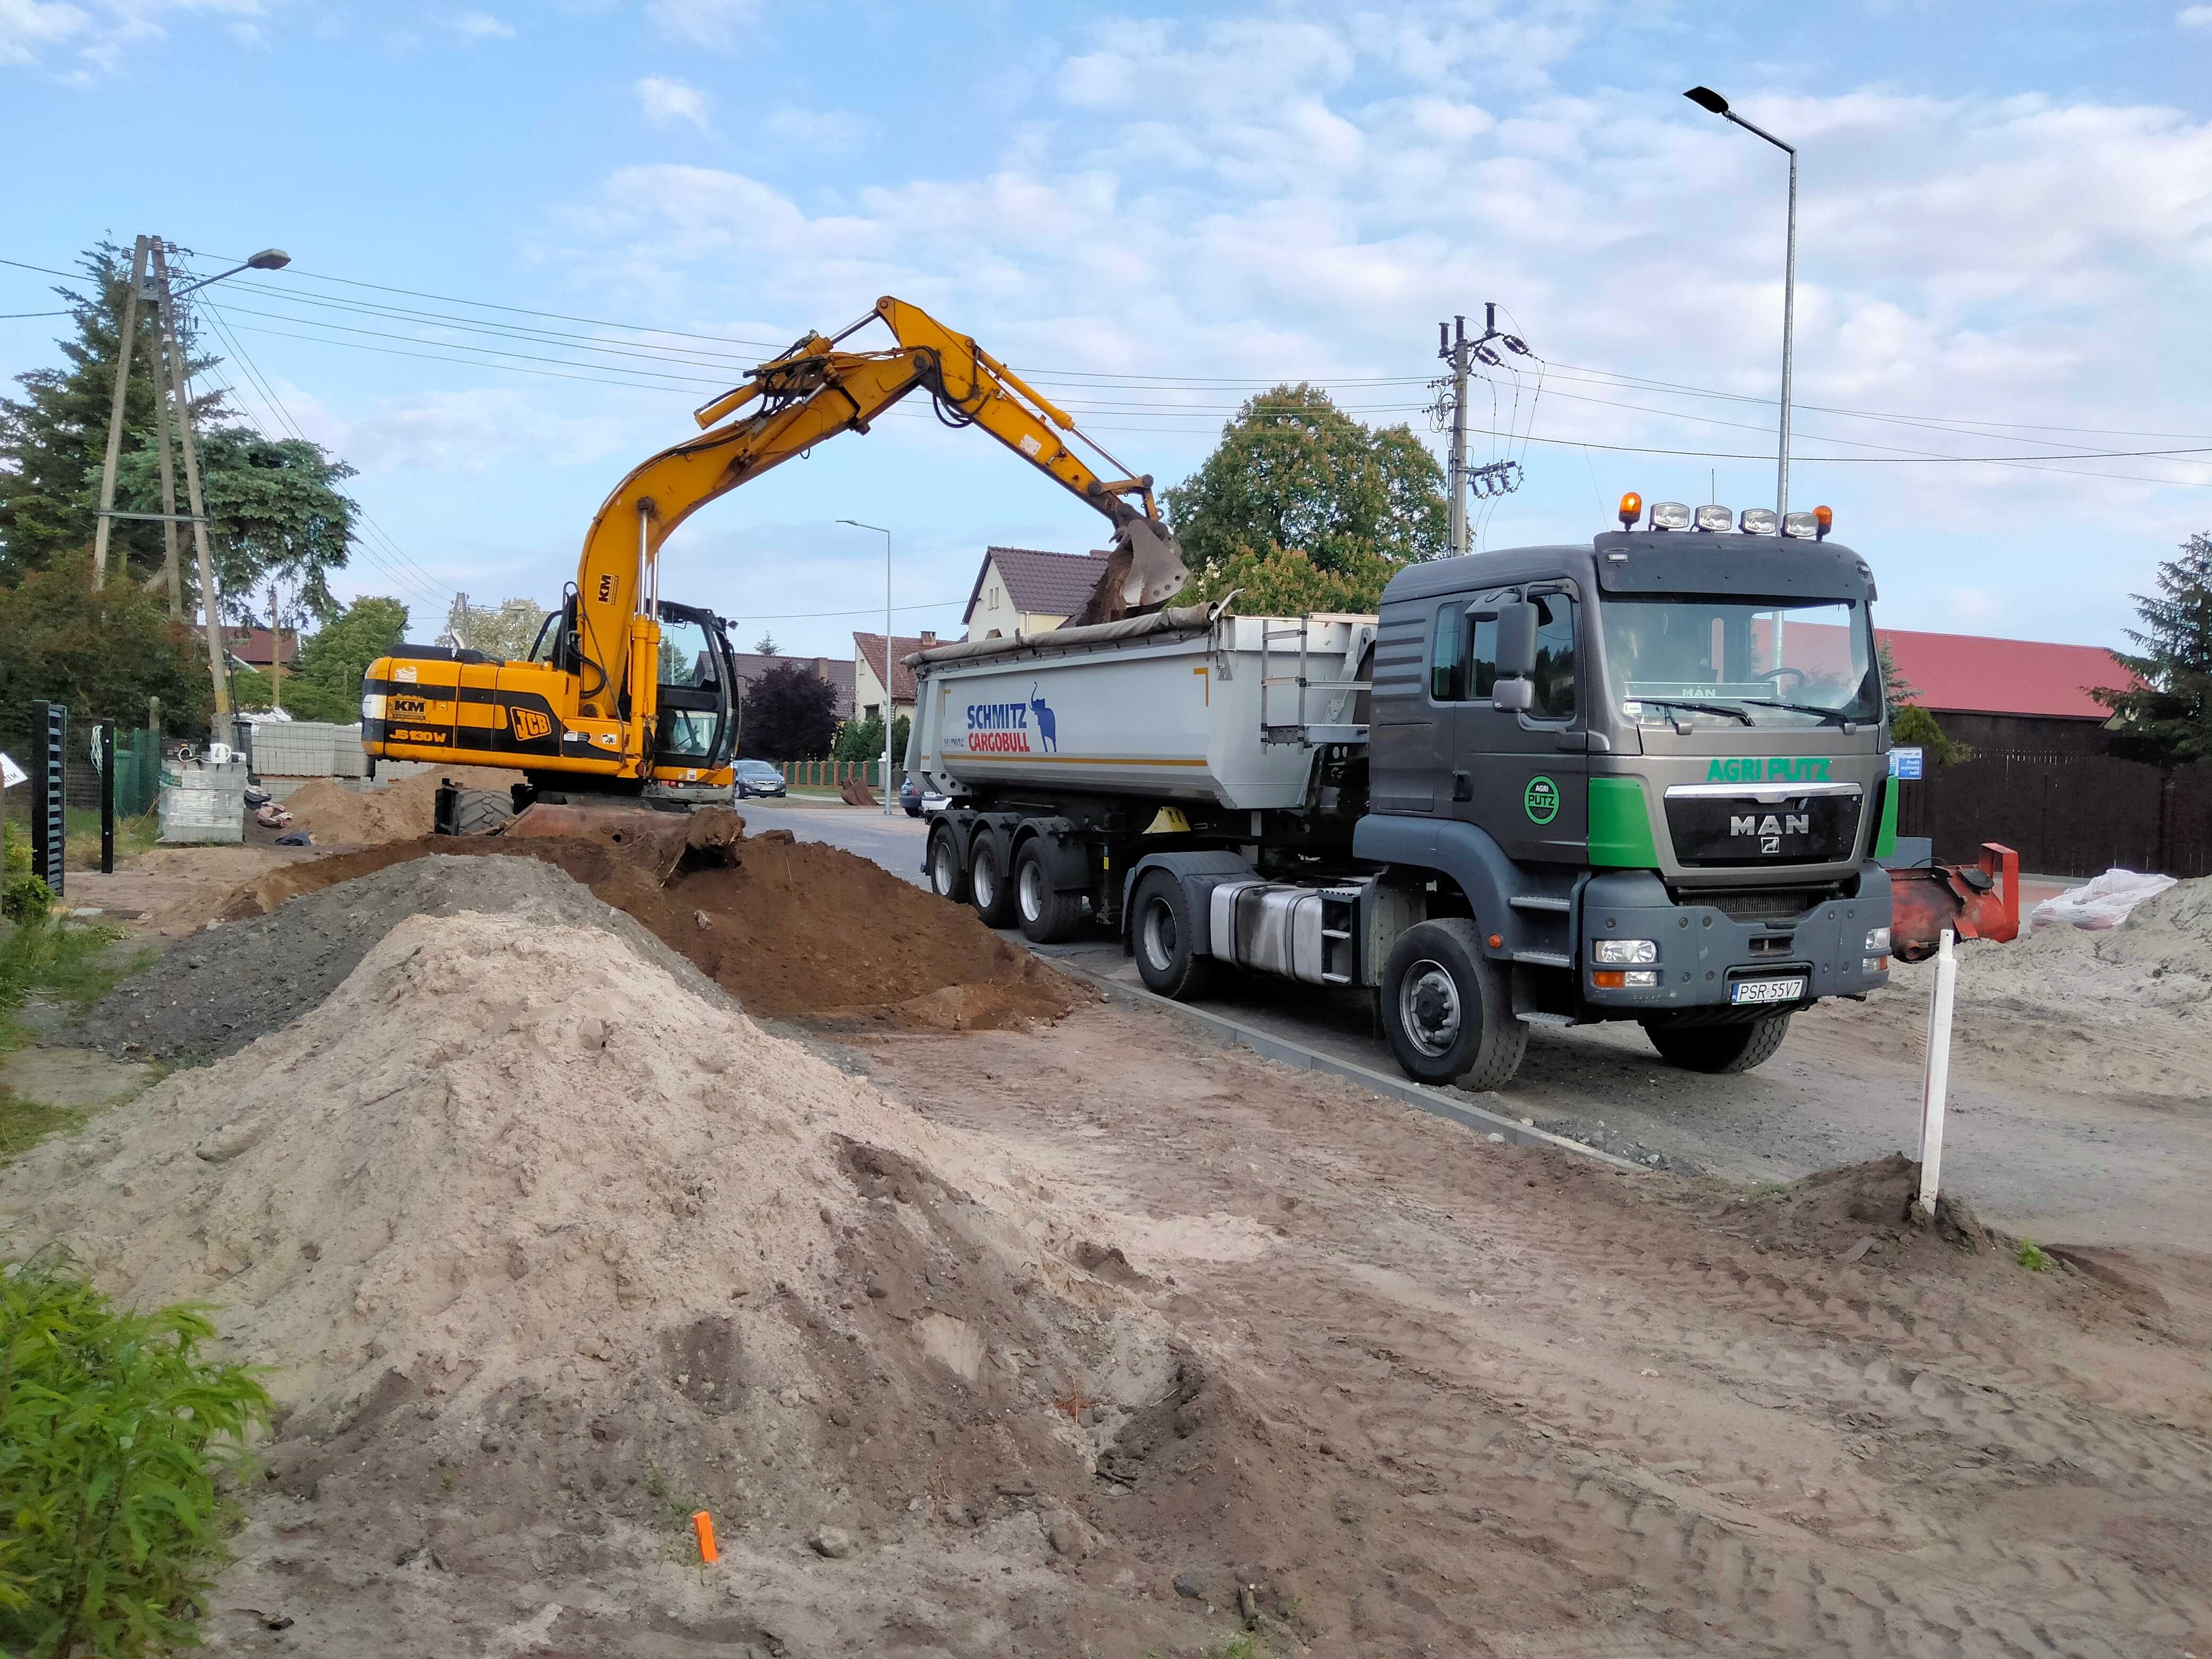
[{"x": 1235, "y": 1034}]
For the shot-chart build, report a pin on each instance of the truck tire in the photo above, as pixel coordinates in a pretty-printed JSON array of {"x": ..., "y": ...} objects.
[
  {"x": 1720, "y": 1048},
  {"x": 948, "y": 877},
  {"x": 1047, "y": 917},
  {"x": 482, "y": 811},
  {"x": 988, "y": 888},
  {"x": 1160, "y": 928},
  {"x": 1448, "y": 1008}
]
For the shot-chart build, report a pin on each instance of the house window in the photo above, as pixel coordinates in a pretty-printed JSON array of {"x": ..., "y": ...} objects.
[
  {"x": 994, "y": 596},
  {"x": 874, "y": 710}
]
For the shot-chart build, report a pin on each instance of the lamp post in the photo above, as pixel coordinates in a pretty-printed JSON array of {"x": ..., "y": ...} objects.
[
  {"x": 1706, "y": 99},
  {"x": 890, "y": 706}
]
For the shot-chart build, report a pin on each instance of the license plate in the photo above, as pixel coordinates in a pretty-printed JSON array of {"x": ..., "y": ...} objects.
[{"x": 1765, "y": 990}]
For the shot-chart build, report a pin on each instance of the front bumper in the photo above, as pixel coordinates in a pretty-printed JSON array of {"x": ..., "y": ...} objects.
[{"x": 1702, "y": 950}]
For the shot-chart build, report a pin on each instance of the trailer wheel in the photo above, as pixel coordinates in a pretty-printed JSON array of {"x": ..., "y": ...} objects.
[
  {"x": 1160, "y": 926},
  {"x": 991, "y": 893},
  {"x": 947, "y": 879},
  {"x": 1047, "y": 917},
  {"x": 1720, "y": 1048},
  {"x": 1448, "y": 1009}
]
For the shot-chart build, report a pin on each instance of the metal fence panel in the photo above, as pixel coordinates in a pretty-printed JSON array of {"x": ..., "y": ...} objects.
[{"x": 2066, "y": 815}]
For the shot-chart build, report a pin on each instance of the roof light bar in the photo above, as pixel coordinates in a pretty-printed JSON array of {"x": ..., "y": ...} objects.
[
  {"x": 1758, "y": 521},
  {"x": 1669, "y": 515},
  {"x": 1714, "y": 518}
]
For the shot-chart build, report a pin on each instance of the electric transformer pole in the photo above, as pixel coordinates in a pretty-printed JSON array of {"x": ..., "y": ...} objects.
[{"x": 1495, "y": 478}]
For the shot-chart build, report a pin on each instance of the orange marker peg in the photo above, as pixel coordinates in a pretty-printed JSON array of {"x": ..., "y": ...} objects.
[{"x": 703, "y": 1524}]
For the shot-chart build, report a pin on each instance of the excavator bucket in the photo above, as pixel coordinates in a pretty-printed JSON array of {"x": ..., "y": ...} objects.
[
  {"x": 1143, "y": 570},
  {"x": 661, "y": 843}
]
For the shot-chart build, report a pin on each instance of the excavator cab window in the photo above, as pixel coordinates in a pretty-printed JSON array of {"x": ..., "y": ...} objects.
[{"x": 698, "y": 714}]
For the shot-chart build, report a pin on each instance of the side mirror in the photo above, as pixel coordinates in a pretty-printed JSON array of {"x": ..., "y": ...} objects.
[
  {"x": 1517, "y": 641},
  {"x": 1516, "y": 696}
]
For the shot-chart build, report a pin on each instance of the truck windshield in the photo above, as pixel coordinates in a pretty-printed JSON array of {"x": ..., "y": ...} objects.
[{"x": 1712, "y": 662}]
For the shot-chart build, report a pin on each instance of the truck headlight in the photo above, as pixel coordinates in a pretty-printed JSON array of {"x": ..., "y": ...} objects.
[
  {"x": 1616, "y": 951},
  {"x": 1877, "y": 943},
  {"x": 1874, "y": 964},
  {"x": 1640, "y": 979}
]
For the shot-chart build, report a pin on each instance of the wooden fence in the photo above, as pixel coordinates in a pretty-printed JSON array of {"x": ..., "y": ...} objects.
[
  {"x": 2067, "y": 815},
  {"x": 830, "y": 774}
]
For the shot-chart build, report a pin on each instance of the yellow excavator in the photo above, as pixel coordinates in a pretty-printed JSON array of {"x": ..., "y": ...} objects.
[{"x": 629, "y": 694}]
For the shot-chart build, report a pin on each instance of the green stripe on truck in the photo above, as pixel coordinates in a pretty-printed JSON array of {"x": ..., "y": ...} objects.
[
  {"x": 1884, "y": 837},
  {"x": 1620, "y": 825}
]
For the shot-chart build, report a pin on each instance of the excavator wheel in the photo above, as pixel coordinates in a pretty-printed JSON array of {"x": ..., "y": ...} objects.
[{"x": 481, "y": 812}]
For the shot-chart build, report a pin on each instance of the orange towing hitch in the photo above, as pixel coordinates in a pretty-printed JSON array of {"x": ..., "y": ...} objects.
[{"x": 1973, "y": 901}]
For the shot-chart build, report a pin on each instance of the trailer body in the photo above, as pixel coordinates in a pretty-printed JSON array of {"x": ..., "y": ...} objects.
[{"x": 1554, "y": 785}]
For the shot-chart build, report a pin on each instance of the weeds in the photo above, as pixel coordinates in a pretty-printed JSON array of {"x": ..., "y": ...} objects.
[
  {"x": 2034, "y": 1259},
  {"x": 1245, "y": 1645},
  {"x": 24, "y": 897},
  {"x": 113, "y": 1433}
]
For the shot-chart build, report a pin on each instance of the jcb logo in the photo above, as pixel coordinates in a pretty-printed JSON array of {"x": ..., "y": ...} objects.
[
  {"x": 530, "y": 724},
  {"x": 410, "y": 708}
]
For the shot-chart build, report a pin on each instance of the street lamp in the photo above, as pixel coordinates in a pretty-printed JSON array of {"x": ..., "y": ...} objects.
[
  {"x": 270, "y": 258},
  {"x": 889, "y": 705},
  {"x": 1706, "y": 99}
]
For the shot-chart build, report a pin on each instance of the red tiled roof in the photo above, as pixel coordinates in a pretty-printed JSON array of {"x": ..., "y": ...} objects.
[
  {"x": 1045, "y": 584},
  {"x": 1972, "y": 674},
  {"x": 869, "y": 648},
  {"x": 251, "y": 644}
]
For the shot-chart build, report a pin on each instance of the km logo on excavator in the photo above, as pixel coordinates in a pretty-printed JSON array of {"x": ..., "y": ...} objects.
[{"x": 530, "y": 724}]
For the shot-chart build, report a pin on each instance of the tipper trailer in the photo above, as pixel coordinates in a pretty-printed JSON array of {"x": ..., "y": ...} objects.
[{"x": 1641, "y": 778}]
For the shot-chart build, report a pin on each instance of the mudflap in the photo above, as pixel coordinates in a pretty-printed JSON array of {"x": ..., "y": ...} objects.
[{"x": 665, "y": 844}]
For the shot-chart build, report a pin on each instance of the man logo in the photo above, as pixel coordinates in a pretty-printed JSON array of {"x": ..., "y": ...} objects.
[
  {"x": 530, "y": 724},
  {"x": 1750, "y": 823}
]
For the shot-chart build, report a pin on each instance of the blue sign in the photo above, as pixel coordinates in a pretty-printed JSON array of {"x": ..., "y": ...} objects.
[{"x": 1904, "y": 763}]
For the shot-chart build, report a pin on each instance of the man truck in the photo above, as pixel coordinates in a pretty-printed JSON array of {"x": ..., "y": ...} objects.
[{"x": 1644, "y": 777}]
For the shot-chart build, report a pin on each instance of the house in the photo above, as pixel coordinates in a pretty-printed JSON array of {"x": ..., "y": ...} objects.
[
  {"x": 750, "y": 666},
  {"x": 868, "y": 673},
  {"x": 1025, "y": 590},
  {"x": 2009, "y": 696},
  {"x": 256, "y": 648}
]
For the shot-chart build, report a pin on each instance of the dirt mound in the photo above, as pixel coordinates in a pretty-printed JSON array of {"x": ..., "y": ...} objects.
[
  {"x": 338, "y": 816},
  {"x": 792, "y": 929},
  {"x": 1832, "y": 1211},
  {"x": 546, "y": 1250}
]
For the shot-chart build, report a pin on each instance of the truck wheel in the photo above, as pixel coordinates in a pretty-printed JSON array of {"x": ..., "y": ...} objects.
[
  {"x": 1048, "y": 917},
  {"x": 1448, "y": 1009},
  {"x": 947, "y": 879},
  {"x": 481, "y": 812},
  {"x": 988, "y": 886},
  {"x": 1160, "y": 924},
  {"x": 1721, "y": 1048}
]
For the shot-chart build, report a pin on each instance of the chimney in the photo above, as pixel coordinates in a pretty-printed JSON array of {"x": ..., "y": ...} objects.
[{"x": 928, "y": 639}]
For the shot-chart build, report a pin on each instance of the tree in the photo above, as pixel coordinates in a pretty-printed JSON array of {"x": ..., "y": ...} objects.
[
  {"x": 1292, "y": 470},
  {"x": 863, "y": 740},
  {"x": 506, "y": 631},
  {"x": 765, "y": 646},
  {"x": 790, "y": 714},
  {"x": 1281, "y": 582},
  {"x": 53, "y": 438},
  {"x": 2166, "y": 716},
  {"x": 103, "y": 654},
  {"x": 1896, "y": 689},
  {"x": 324, "y": 683}
]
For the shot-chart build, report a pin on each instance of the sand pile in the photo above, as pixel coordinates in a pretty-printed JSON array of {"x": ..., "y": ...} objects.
[
  {"x": 547, "y": 1248},
  {"x": 792, "y": 929},
  {"x": 338, "y": 816}
]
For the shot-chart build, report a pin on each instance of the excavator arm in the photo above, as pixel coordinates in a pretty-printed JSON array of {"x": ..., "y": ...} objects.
[{"x": 811, "y": 393}]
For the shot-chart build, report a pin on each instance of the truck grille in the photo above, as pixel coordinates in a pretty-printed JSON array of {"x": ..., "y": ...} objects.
[{"x": 1737, "y": 830}]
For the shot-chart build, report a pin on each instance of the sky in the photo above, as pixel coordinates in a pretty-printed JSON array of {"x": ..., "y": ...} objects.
[{"x": 529, "y": 240}]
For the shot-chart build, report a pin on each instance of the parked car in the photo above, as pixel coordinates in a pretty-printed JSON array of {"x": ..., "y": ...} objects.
[
  {"x": 918, "y": 800},
  {"x": 756, "y": 777}
]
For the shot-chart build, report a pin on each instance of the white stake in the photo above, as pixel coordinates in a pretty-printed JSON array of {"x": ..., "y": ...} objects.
[{"x": 1938, "y": 1081}]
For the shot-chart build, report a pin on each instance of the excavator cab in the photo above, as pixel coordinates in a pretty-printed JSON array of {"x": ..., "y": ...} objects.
[{"x": 698, "y": 731}]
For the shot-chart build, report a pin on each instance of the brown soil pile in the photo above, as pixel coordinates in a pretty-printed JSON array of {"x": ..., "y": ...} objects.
[
  {"x": 337, "y": 816},
  {"x": 792, "y": 929},
  {"x": 546, "y": 1251}
]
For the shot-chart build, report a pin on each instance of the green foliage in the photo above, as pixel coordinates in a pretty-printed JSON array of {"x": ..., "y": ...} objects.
[
  {"x": 252, "y": 689},
  {"x": 790, "y": 712},
  {"x": 1914, "y": 725},
  {"x": 1245, "y": 1645},
  {"x": 24, "y": 895},
  {"x": 323, "y": 682},
  {"x": 863, "y": 740},
  {"x": 2165, "y": 717},
  {"x": 102, "y": 653},
  {"x": 1896, "y": 689},
  {"x": 278, "y": 514},
  {"x": 53, "y": 438},
  {"x": 1292, "y": 471},
  {"x": 114, "y": 1431},
  {"x": 1282, "y": 582},
  {"x": 2032, "y": 1258},
  {"x": 57, "y": 959},
  {"x": 765, "y": 646},
  {"x": 505, "y": 631}
]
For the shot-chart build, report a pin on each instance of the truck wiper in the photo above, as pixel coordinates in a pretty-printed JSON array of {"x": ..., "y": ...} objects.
[
  {"x": 1729, "y": 709},
  {"x": 1835, "y": 714}
]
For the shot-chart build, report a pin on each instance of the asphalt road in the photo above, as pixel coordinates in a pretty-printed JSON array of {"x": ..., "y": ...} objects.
[{"x": 2060, "y": 1165}]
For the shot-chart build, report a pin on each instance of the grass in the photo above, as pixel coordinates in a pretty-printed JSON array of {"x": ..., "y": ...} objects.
[
  {"x": 55, "y": 959},
  {"x": 1245, "y": 1645},
  {"x": 81, "y": 834},
  {"x": 2034, "y": 1259}
]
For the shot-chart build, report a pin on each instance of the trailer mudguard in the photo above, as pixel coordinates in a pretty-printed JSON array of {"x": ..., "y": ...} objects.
[
  {"x": 1067, "y": 859},
  {"x": 1199, "y": 874},
  {"x": 1461, "y": 853}
]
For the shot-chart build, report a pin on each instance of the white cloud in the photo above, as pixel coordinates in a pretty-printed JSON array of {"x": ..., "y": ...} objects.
[
  {"x": 86, "y": 42},
  {"x": 27, "y": 27},
  {"x": 824, "y": 131},
  {"x": 469, "y": 27},
  {"x": 466, "y": 432},
  {"x": 667, "y": 102},
  {"x": 2194, "y": 17},
  {"x": 704, "y": 23}
]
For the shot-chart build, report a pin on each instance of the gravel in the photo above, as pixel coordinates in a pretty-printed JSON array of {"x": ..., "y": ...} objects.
[{"x": 215, "y": 991}]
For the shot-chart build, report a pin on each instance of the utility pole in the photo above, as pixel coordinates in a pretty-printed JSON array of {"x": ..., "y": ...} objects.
[
  {"x": 276, "y": 651},
  {"x": 210, "y": 601},
  {"x": 1497, "y": 478},
  {"x": 106, "y": 522},
  {"x": 172, "y": 569}
]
